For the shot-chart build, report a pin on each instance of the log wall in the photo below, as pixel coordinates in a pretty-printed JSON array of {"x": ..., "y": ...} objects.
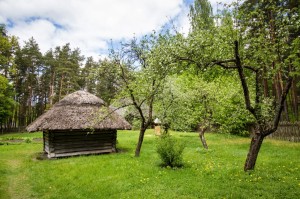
[{"x": 70, "y": 143}]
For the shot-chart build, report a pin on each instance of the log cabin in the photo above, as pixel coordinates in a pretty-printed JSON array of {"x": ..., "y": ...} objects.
[{"x": 79, "y": 124}]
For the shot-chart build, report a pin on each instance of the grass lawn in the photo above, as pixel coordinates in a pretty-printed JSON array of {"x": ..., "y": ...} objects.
[{"x": 214, "y": 173}]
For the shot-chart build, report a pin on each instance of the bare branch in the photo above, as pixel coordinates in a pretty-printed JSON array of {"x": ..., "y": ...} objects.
[
  {"x": 251, "y": 68},
  {"x": 223, "y": 62},
  {"x": 179, "y": 58},
  {"x": 243, "y": 79},
  {"x": 134, "y": 101},
  {"x": 114, "y": 110},
  {"x": 281, "y": 106}
]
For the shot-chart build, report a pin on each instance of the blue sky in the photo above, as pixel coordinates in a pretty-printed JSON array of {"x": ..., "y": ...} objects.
[{"x": 90, "y": 24}]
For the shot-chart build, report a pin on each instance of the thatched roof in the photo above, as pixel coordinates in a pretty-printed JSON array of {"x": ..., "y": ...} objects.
[{"x": 79, "y": 110}]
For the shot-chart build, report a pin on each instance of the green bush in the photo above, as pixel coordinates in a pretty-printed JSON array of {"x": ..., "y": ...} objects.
[
  {"x": 27, "y": 140},
  {"x": 170, "y": 151}
]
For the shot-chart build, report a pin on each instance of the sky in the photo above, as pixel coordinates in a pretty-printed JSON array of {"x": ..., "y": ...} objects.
[{"x": 91, "y": 25}]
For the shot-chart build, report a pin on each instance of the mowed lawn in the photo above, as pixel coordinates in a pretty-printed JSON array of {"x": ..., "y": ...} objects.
[{"x": 214, "y": 173}]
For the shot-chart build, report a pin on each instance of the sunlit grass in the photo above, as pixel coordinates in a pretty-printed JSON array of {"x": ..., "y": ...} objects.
[{"x": 213, "y": 173}]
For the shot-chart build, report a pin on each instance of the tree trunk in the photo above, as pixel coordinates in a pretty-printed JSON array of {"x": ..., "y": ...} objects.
[
  {"x": 202, "y": 138},
  {"x": 295, "y": 100},
  {"x": 60, "y": 87},
  {"x": 255, "y": 145},
  {"x": 265, "y": 84},
  {"x": 51, "y": 90},
  {"x": 140, "y": 142}
]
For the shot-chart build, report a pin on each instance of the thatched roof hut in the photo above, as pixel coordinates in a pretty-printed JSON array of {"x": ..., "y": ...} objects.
[
  {"x": 79, "y": 110},
  {"x": 79, "y": 124}
]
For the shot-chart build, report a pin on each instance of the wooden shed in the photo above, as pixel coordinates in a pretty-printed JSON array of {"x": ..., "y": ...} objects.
[{"x": 79, "y": 124}]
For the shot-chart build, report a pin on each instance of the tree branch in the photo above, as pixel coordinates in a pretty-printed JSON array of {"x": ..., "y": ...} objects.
[
  {"x": 115, "y": 109},
  {"x": 179, "y": 58},
  {"x": 281, "y": 106},
  {"x": 132, "y": 95},
  {"x": 223, "y": 62},
  {"x": 242, "y": 78}
]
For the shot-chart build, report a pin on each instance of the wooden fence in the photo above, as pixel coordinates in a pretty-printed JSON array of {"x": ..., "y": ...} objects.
[
  {"x": 287, "y": 131},
  {"x": 13, "y": 130}
]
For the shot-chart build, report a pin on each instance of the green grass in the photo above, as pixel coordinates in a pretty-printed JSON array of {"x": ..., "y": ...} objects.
[{"x": 214, "y": 173}]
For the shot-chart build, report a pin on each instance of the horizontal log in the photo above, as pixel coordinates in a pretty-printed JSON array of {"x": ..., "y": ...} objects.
[
  {"x": 81, "y": 138},
  {"x": 81, "y": 146},
  {"x": 86, "y": 149},
  {"x": 80, "y": 134},
  {"x": 60, "y": 144},
  {"x": 71, "y": 138},
  {"x": 56, "y": 155},
  {"x": 78, "y": 141},
  {"x": 53, "y": 133}
]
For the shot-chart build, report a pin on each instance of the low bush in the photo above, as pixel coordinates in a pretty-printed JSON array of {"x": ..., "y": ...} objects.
[{"x": 170, "y": 151}]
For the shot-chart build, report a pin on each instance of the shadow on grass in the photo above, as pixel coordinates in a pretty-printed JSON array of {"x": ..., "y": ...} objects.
[
  {"x": 123, "y": 150},
  {"x": 44, "y": 155},
  {"x": 40, "y": 156}
]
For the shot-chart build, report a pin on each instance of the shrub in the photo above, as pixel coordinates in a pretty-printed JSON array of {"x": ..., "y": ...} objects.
[{"x": 170, "y": 151}]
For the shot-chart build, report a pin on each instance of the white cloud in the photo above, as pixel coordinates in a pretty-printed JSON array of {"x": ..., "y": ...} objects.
[
  {"x": 87, "y": 24},
  {"x": 183, "y": 22},
  {"x": 90, "y": 24}
]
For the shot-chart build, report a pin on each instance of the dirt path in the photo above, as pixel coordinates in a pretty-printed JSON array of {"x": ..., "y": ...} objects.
[{"x": 18, "y": 187}]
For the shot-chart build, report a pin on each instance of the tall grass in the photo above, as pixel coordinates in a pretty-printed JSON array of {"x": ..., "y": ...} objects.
[{"x": 214, "y": 173}]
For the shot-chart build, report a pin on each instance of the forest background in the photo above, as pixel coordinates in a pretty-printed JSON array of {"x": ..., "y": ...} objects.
[{"x": 169, "y": 75}]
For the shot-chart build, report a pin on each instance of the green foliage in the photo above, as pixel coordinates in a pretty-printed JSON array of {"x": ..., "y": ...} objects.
[
  {"x": 230, "y": 113},
  {"x": 136, "y": 124},
  {"x": 189, "y": 100},
  {"x": 201, "y": 15},
  {"x": 6, "y": 99},
  {"x": 170, "y": 151},
  {"x": 88, "y": 77},
  {"x": 29, "y": 67},
  {"x": 294, "y": 57},
  {"x": 7, "y": 49},
  {"x": 67, "y": 70},
  {"x": 185, "y": 102},
  {"x": 108, "y": 79}
]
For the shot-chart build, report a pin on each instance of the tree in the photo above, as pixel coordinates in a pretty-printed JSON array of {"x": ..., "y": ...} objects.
[
  {"x": 279, "y": 48},
  {"x": 67, "y": 70},
  {"x": 49, "y": 76},
  {"x": 88, "y": 77},
  {"x": 275, "y": 23},
  {"x": 201, "y": 15},
  {"x": 109, "y": 82},
  {"x": 29, "y": 67},
  {"x": 5, "y": 47},
  {"x": 6, "y": 101},
  {"x": 142, "y": 78},
  {"x": 185, "y": 104},
  {"x": 231, "y": 46},
  {"x": 8, "y": 47}
]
